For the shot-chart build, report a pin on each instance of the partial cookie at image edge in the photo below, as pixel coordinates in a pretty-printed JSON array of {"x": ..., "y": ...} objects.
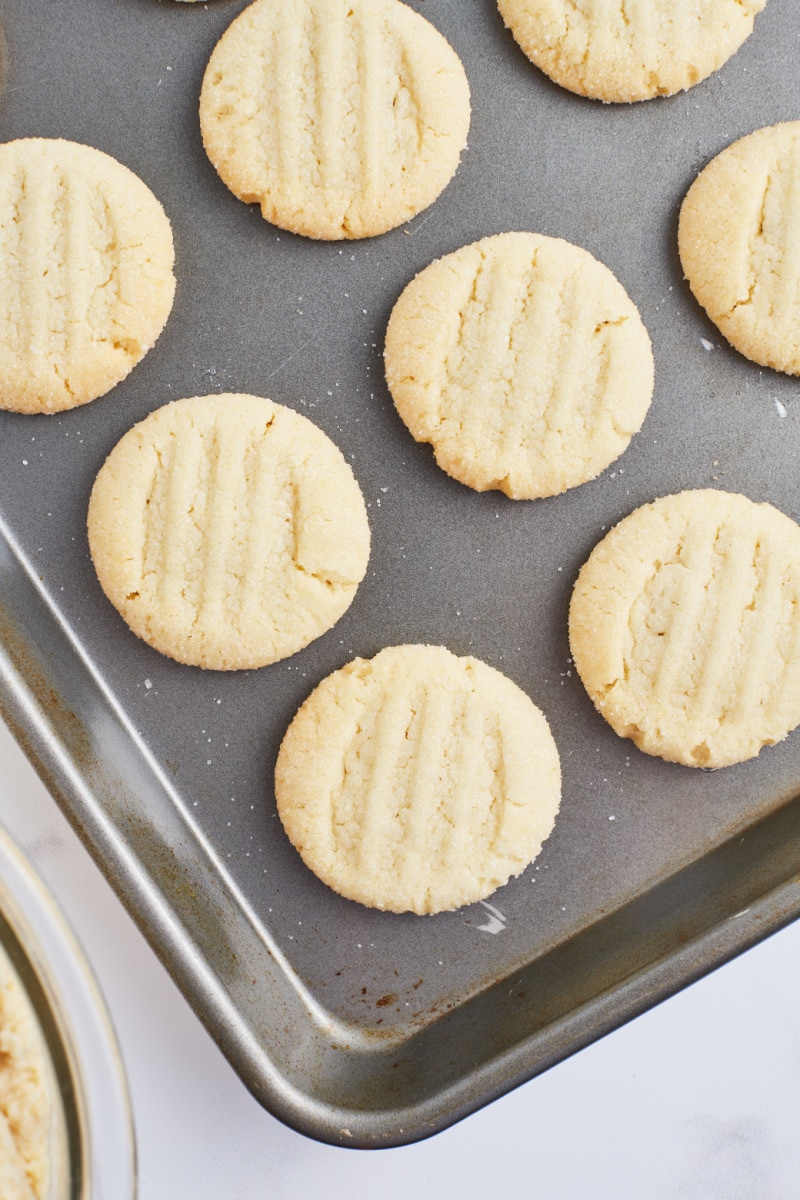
[
  {"x": 619, "y": 56},
  {"x": 88, "y": 281},
  {"x": 738, "y": 230},
  {"x": 684, "y": 627},
  {"x": 27, "y": 1086},
  {"x": 358, "y": 125}
]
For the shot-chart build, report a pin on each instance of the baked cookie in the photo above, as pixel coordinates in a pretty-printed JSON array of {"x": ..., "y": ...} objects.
[
  {"x": 524, "y": 363},
  {"x": 228, "y": 531},
  {"x": 86, "y": 280},
  {"x": 739, "y": 242},
  {"x": 616, "y": 51},
  {"x": 341, "y": 118},
  {"x": 685, "y": 627},
  {"x": 26, "y": 1095},
  {"x": 417, "y": 781}
]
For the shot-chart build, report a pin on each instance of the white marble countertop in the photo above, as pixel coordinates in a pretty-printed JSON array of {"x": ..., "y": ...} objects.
[{"x": 697, "y": 1100}]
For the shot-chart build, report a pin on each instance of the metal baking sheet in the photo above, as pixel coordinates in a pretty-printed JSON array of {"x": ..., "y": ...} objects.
[{"x": 357, "y": 1027}]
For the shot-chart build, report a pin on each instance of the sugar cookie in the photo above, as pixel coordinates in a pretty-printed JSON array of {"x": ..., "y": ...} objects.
[
  {"x": 86, "y": 280},
  {"x": 26, "y": 1095},
  {"x": 417, "y": 781},
  {"x": 228, "y": 531},
  {"x": 739, "y": 242},
  {"x": 685, "y": 627},
  {"x": 524, "y": 363},
  {"x": 341, "y": 118},
  {"x": 613, "y": 50}
]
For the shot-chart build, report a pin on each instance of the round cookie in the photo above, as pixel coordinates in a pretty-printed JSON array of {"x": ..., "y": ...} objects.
[
  {"x": 524, "y": 363},
  {"x": 616, "y": 51},
  {"x": 86, "y": 280},
  {"x": 417, "y": 781},
  {"x": 684, "y": 626},
  {"x": 228, "y": 531},
  {"x": 739, "y": 242},
  {"x": 341, "y": 118}
]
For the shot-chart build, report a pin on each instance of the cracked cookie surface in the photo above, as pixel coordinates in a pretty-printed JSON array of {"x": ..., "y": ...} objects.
[
  {"x": 522, "y": 361},
  {"x": 86, "y": 282},
  {"x": 626, "y": 50},
  {"x": 417, "y": 781},
  {"x": 228, "y": 531},
  {"x": 739, "y": 242},
  {"x": 340, "y": 118},
  {"x": 685, "y": 627}
]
